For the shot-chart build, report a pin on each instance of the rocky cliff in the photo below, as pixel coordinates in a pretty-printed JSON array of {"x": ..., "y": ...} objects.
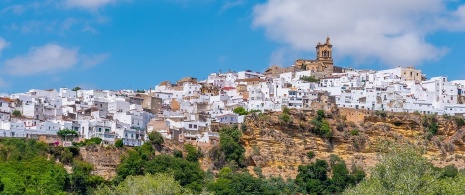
[{"x": 279, "y": 147}]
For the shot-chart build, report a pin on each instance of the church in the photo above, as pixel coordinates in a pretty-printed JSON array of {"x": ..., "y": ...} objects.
[{"x": 323, "y": 65}]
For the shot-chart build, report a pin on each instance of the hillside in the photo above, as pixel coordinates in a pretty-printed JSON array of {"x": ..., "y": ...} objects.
[{"x": 358, "y": 137}]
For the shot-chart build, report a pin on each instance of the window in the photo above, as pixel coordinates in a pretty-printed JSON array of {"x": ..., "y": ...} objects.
[
  {"x": 195, "y": 126},
  {"x": 99, "y": 129},
  {"x": 190, "y": 126}
]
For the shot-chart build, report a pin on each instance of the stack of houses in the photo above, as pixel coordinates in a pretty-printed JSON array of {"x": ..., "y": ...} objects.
[{"x": 191, "y": 110}]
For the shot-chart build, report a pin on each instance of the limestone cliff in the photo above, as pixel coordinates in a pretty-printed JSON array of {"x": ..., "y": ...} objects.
[{"x": 357, "y": 136}]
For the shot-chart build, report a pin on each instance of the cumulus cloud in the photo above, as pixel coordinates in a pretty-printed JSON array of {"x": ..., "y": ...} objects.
[
  {"x": 3, "y": 45},
  {"x": 49, "y": 58},
  {"x": 88, "y": 4},
  {"x": 393, "y": 32},
  {"x": 90, "y": 61},
  {"x": 230, "y": 4}
]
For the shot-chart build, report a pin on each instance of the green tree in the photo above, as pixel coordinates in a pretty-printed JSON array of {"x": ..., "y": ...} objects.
[
  {"x": 81, "y": 179},
  {"x": 230, "y": 145},
  {"x": 77, "y": 88},
  {"x": 314, "y": 177},
  {"x": 156, "y": 138},
  {"x": 187, "y": 173},
  {"x": 64, "y": 134},
  {"x": 119, "y": 143},
  {"x": 160, "y": 183},
  {"x": 24, "y": 168},
  {"x": 309, "y": 79},
  {"x": 193, "y": 154},
  {"x": 16, "y": 113},
  {"x": 402, "y": 171},
  {"x": 240, "y": 111},
  {"x": 131, "y": 164}
]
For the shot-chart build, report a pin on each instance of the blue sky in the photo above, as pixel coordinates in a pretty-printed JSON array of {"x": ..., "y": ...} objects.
[{"x": 117, "y": 44}]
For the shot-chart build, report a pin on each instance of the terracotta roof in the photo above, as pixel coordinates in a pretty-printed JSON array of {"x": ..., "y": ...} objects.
[
  {"x": 164, "y": 83},
  {"x": 228, "y": 88}
]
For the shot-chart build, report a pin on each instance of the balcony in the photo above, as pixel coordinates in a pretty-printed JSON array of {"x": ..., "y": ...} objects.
[{"x": 132, "y": 142}]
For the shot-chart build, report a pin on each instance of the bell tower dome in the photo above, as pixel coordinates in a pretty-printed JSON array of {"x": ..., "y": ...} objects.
[{"x": 324, "y": 52}]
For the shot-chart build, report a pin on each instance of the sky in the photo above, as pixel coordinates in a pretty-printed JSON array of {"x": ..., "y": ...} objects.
[{"x": 136, "y": 44}]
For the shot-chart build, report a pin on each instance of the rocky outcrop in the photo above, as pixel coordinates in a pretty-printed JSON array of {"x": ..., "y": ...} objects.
[
  {"x": 104, "y": 159},
  {"x": 278, "y": 148}
]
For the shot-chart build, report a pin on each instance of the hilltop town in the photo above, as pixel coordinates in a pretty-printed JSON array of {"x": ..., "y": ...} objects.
[{"x": 189, "y": 110}]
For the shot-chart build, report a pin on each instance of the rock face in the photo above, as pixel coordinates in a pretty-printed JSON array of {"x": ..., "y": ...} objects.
[
  {"x": 104, "y": 159},
  {"x": 358, "y": 137},
  {"x": 278, "y": 148}
]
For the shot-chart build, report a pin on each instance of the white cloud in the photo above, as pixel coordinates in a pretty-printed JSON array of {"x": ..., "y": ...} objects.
[
  {"x": 90, "y": 61},
  {"x": 49, "y": 58},
  {"x": 3, "y": 45},
  {"x": 16, "y": 9},
  {"x": 88, "y": 4},
  {"x": 393, "y": 32},
  {"x": 231, "y": 4}
]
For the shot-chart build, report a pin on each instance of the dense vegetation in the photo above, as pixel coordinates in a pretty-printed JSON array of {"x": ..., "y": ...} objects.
[
  {"x": 405, "y": 171},
  {"x": 309, "y": 79},
  {"x": 28, "y": 167},
  {"x": 31, "y": 167},
  {"x": 321, "y": 126}
]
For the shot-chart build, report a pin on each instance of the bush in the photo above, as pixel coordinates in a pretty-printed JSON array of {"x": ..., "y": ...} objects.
[
  {"x": 285, "y": 118},
  {"x": 177, "y": 154},
  {"x": 309, "y": 79},
  {"x": 189, "y": 174},
  {"x": 119, "y": 143},
  {"x": 258, "y": 171},
  {"x": 231, "y": 147},
  {"x": 354, "y": 132},
  {"x": 160, "y": 183},
  {"x": 310, "y": 155},
  {"x": 286, "y": 110},
  {"x": 240, "y": 111},
  {"x": 156, "y": 138},
  {"x": 405, "y": 171},
  {"x": 449, "y": 171},
  {"x": 255, "y": 150},
  {"x": 67, "y": 133},
  {"x": 193, "y": 154},
  {"x": 381, "y": 113},
  {"x": 459, "y": 121},
  {"x": 16, "y": 113}
]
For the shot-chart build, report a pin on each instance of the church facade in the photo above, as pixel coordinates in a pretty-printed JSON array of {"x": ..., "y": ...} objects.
[{"x": 323, "y": 65}]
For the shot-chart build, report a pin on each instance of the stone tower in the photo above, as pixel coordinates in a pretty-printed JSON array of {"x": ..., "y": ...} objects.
[{"x": 324, "y": 52}]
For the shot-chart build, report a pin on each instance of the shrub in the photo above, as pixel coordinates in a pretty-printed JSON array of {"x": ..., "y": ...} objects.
[
  {"x": 381, "y": 113},
  {"x": 156, "y": 138},
  {"x": 286, "y": 110},
  {"x": 177, "y": 154},
  {"x": 459, "y": 121},
  {"x": 240, "y": 111},
  {"x": 193, "y": 154},
  {"x": 255, "y": 150},
  {"x": 285, "y": 118},
  {"x": 258, "y": 171},
  {"x": 310, "y": 154},
  {"x": 119, "y": 143},
  {"x": 309, "y": 79},
  {"x": 16, "y": 113},
  {"x": 354, "y": 132}
]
